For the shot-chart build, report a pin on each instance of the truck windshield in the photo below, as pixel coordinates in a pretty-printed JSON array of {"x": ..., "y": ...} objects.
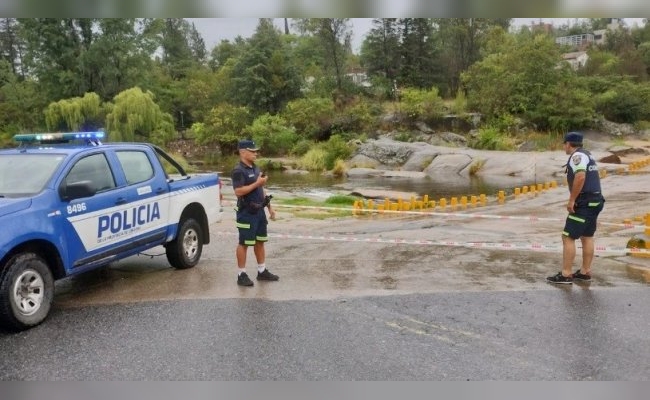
[{"x": 23, "y": 175}]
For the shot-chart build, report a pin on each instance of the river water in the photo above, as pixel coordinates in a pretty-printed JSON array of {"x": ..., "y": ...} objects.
[{"x": 317, "y": 183}]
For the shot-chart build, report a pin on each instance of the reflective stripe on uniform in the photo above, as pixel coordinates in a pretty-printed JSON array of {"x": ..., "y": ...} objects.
[
  {"x": 262, "y": 238},
  {"x": 578, "y": 219},
  {"x": 596, "y": 204},
  {"x": 243, "y": 226},
  {"x": 249, "y": 242}
]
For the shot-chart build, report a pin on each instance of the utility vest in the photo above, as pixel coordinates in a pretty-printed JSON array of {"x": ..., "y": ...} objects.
[
  {"x": 592, "y": 178},
  {"x": 243, "y": 175}
]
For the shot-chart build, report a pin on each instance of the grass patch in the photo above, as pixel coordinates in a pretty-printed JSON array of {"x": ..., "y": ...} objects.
[
  {"x": 343, "y": 202},
  {"x": 476, "y": 166}
]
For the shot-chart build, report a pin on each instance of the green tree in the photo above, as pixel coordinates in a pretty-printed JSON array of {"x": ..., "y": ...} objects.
[
  {"x": 420, "y": 66},
  {"x": 312, "y": 117},
  {"x": 264, "y": 78},
  {"x": 54, "y": 48},
  {"x": 21, "y": 102},
  {"x": 12, "y": 46},
  {"x": 76, "y": 114},
  {"x": 461, "y": 40},
  {"x": 225, "y": 51},
  {"x": 333, "y": 35},
  {"x": 273, "y": 134},
  {"x": 521, "y": 78},
  {"x": 224, "y": 126},
  {"x": 380, "y": 51},
  {"x": 135, "y": 116}
]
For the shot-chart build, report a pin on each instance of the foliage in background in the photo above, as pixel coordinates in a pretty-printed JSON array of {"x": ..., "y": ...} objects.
[
  {"x": 422, "y": 105},
  {"x": 135, "y": 116},
  {"x": 311, "y": 117},
  {"x": 513, "y": 77},
  {"x": 273, "y": 134},
  {"x": 224, "y": 127},
  {"x": 75, "y": 114},
  {"x": 490, "y": 138}
]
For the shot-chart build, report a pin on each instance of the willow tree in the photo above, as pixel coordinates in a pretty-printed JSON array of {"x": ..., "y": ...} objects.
[
  {"x": 135, "y": 116},
  {"x": 75, "y": 114}
]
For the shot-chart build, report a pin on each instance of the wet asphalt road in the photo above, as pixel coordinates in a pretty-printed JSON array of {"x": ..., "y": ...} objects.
[
  {"x": 564, "y": 333},
  {"x": 351, "y": 310}
]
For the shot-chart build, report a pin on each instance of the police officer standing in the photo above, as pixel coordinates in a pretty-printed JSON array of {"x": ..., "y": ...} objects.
[
  {"x": 585, "y": 203},
  {"x": 248, "y": 183}
]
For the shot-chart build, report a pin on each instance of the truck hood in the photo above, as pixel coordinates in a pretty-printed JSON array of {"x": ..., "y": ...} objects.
[{"x": 8, "y": 205}]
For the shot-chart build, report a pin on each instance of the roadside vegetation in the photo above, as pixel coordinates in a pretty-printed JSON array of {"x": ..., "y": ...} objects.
[
  {"x": 302, "y": 93},
  {"x": 344, "y": 202}
]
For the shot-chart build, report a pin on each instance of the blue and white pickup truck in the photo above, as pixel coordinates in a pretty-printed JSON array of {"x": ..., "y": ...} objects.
[{"x": 70, "y": 203}]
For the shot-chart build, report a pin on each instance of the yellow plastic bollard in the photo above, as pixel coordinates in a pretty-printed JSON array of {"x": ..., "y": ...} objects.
[
  {"x": 540, "y": 187},
  {"x": 483, "y": 199},
  {"x": 517, "y": 191},
  {"x": 473, "y": 200},
  {"x": 454, "y": 202},
  {"x": 524, "y": 189},
  {"x": 553, "y": 184},
  {"x": 443, "y": 203},
  {"x": 463, "y": 201},
  {"x": 432, "y": 204},
  {"x": 425, "y": 199}
]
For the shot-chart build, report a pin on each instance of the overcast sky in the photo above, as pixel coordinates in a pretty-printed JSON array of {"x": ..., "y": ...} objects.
[{"x": 213, "y": 30}]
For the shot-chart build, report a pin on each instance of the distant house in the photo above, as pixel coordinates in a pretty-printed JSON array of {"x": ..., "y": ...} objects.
[
  {"x": 576, "y": 59},
  {"x": 359, "y": 78},
  {"x": 576, "y": 41},
  {"x": 584, "y": 40}
]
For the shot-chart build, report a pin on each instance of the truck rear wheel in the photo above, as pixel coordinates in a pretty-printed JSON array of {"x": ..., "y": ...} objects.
[
  {"x": 185, "y": 251},
  {"x": 26, "y": 292}
]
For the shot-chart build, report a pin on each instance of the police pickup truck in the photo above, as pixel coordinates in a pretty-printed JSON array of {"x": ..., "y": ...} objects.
[{"x": 70, "y": 203}]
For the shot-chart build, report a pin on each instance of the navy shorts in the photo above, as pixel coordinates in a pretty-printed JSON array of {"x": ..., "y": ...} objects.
[
  {"x": 583, "y": 221},
  {"x": 252, "y": 227}
]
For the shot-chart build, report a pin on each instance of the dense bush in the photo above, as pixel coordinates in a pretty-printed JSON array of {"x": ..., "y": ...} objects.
[
  {"x": 422, "y": 105},
  {"x": 625, "y": 102},
  {"x": 272, "y": 134},
  {"x": 310, "y": 116}
]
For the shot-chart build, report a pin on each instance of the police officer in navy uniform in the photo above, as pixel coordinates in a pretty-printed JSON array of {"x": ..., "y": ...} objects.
[
  {"x": 585, "y": 203},
  {"x": 248, "y": 183}
]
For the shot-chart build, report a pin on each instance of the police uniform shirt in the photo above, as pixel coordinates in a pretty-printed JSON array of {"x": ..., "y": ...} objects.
[
  {"x": 243, "y": 175},
  {"x": 582, "y": 160}
]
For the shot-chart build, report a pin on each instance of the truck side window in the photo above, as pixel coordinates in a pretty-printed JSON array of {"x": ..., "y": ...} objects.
[
  {"x": 93, "y": 168},
  {"x": 136, "y": 166}
]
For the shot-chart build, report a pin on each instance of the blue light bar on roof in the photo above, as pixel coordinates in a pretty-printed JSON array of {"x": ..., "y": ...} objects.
[{"x": 58, "y": 136}]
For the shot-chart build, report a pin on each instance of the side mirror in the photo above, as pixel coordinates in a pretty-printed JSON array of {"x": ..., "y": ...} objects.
[{"x": 77, "y": 190}]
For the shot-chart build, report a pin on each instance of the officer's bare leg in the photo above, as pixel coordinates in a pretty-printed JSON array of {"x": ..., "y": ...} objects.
[
  {"x": 241, "y": 256},
  {"x": 587, "y": 254},
  {"x": 260, "y": 253},
  {"x": 568, "y": 254}
]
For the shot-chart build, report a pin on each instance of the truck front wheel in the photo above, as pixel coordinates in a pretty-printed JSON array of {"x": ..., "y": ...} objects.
[
  {"x": 26, "y": 292},
  {"x": 185, "y": 251}
]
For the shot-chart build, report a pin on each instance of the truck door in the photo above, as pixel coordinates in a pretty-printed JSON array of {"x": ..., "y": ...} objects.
[{"x": 84, "y": 237}]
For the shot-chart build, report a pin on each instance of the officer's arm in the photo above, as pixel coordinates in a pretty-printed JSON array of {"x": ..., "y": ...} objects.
[
  {"x": 244, "y": 190},
  {"x": 578, "y": 184}
]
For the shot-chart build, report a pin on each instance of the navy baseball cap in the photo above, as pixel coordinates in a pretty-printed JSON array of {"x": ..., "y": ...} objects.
[
  {"x": 247, "y": 144},
  {"x": 573, "y": 137}
]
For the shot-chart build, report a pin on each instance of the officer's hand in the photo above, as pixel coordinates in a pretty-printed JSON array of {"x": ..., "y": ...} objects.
[
  {"x": 261, "y": 180},
  {"x": 272, "y": 215},
  {"x": 570, "y": 207}
]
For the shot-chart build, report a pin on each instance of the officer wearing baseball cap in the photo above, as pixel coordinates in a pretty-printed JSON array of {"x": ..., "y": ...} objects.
[
  {"x": 248, "y": 182},
  {"x": 585, "y": 203}
]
